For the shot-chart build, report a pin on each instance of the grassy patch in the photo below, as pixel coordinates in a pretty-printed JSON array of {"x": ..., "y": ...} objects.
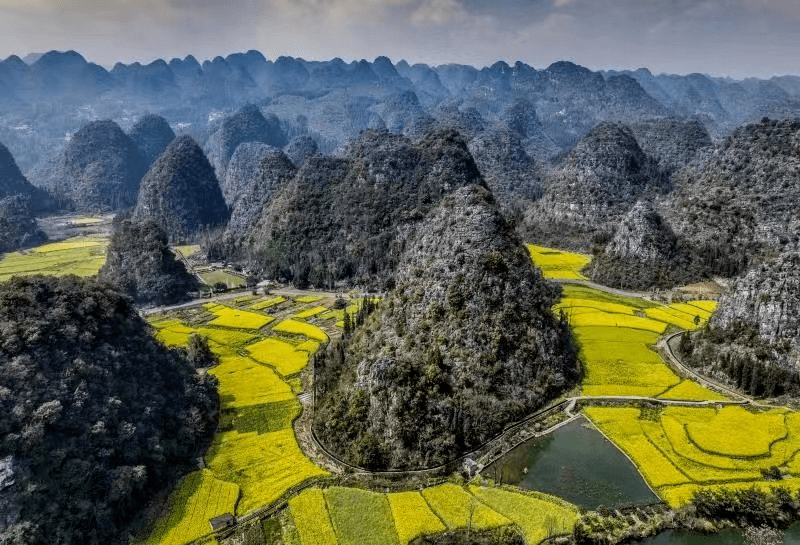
[
  {"x": 198, "y": 498},
  {"x": 264, "y": 418},
  {"x": 214, "y": 277},
  {"x": 360, "y": 517},
  {"x": 310, "y": 515},
  {"x": 296, "y": 327},
  {"x": 557, "y": 263},
  {"x": 308, "y": 298},
  {"x": 412, "y": 516}
]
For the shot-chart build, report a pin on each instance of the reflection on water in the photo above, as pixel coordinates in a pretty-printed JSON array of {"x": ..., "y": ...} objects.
[
  {"x": 576, "y": 463},
  {"x": 675, "y": 537}
]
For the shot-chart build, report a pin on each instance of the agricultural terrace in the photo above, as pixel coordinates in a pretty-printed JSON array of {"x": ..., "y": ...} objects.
[
  {"x": 353, "y": 516},
  {"x": 615, "y": 335},
  {"x": 255, "y": 452},
  {"x": 255, "y": 457},
  {"x": 81, "y": 256},
  {"x": 677, "y": 449}
]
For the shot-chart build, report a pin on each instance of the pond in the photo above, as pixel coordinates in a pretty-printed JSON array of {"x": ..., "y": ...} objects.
[
  {"x": 726, "y": 537},
  {"x": 577, "y": 463}
]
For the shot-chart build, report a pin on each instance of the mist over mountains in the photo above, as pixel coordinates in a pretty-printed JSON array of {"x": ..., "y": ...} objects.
[{"x": 331, "y": 101}]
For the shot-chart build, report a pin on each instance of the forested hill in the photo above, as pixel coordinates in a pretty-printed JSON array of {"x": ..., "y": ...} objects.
[
  {"x": 344, "y": 218},
  {"x": 465, "y": 343},
  {"x": 96, "y": 416}
]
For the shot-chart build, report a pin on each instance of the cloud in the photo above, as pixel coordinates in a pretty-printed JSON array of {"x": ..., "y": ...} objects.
[{"x": 668, "y": 35}]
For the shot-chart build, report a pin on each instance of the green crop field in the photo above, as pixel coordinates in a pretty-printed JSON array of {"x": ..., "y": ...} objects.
[
  {"x": 360, "y": 517},
  {"x": 557, "y": 263},
  {"x": 230, "y": 280},
  {"x": 81, "y": 256},
  {"x": 197, "y": 498},
  {"x": 412, "y": 516}
]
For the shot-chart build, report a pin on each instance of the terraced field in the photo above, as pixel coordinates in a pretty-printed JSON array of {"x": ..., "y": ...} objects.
[
  {"x": 557, "y": 263},
  {"x": 678, "y": 449},
  {"x": 353, "y": 516},
  {"x": 255, "y": 451},
  {"x": 81, "y": 256}
]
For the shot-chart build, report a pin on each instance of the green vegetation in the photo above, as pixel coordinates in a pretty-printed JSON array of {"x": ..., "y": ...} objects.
[
  {"x": 210, "y": 278},
  {"x": 460, "y": 509},
  {"x": 81, "y": 256},
  {"x": 360, "y": 517}
]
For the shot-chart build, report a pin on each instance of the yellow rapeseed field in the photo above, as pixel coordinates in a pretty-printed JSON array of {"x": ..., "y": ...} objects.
[
  {"x": 82, "y": 256},
  {"x": 557, "y": 263},
  {"x": 297, "y": 327},
  {"x": 460, "y": 509},
  {"x": 266, "y": 303},
  {"x": 412, "y": 516},
  {"x": 538, "y": 516},
  {"x": 310, "y": 515},
  {"x": 287, "y": 358},
  {"x": 198, "y": 498},
  {"x": 237, "y": 318},
  {"x": 263, "y": 465},
  {"x": 309, "y": 312}
]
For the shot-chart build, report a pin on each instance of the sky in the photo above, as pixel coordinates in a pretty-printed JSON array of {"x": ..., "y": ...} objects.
[{"x": 736, "y": 38}]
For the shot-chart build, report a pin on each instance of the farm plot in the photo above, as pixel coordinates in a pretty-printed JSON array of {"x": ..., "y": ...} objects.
[
  {"x": 309, "y": 312},
  {"x": 615, "y": 335},
  {"x": 460, "y": 509},
  {"x": 412, "y": 516},
  {"x": 285, "y": 357},
  {"x": 538, "y": 515},
  {"x": 236, "y": 318},
  {"x": 360, "y": 517},
  {"x": 684, "y": 448},
  {"x": 558, "y": 264},
  {"x": 296, "y": 327},
  {"x": 310, "y": 514},
  {"x": 266, "y": 303},
  {"x": 198, "y": 497},
  {"x": 263, "y": 465},
  {"x": 81, "y": 256}
]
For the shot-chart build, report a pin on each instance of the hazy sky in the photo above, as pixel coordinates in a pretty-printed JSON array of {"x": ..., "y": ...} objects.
[{"x": 722, "y": 37}]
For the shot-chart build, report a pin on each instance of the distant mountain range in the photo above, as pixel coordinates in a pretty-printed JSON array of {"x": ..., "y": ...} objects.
[{"x": 332, "y": 101}]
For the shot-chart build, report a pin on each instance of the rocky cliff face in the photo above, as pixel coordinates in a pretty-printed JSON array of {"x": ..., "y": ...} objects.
[
  {"x": 593, "y": 189},
  {"x": 741, "y": 204},
  {"x": 673, "y": 143},
  {"x": 18, "y": 228},
  {"x": 509, "y": 172},
  {"x": 272, "y": 171},
  {"x": 152, "y": 134},
  {"x": 180, "y": 192},
  {"x": 13, "y": 182},
  {"x": 98, "y": 170},
  {"x": 464, "y": 344},
  {"x": 643, "y": 235},
  {"x": 242, "y": 169},
  {"x": 768, "y": 299}
]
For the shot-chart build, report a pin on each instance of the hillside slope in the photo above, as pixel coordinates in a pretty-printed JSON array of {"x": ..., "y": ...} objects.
[{"x": 465, "y": 343}]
